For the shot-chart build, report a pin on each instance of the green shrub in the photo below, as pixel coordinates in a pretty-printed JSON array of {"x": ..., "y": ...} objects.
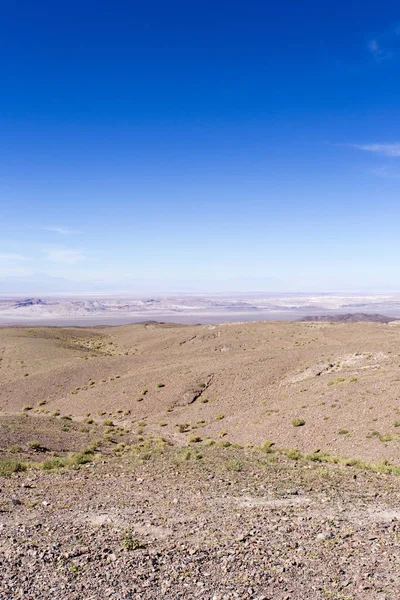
[
  {"x": 130, "y": 543},
  {"x": 267, "y": 446},
  {"x": 292, "y": 453},
  {"x": 188, "y": 454},
  {"x": 183, "y": 427},
  {"x": 79, "y": 458},
  {"x": 298, "y": 422},
  {"x": 234, "y": 465},
  {"x": 34, "y": 445},
  {"x": 53, "y": 463},
  {"x": 15, "y": 448},
  {"x": 209, "y": 442},
  {"x": 8, "y": 467},
  {"x": 224, "y": 444}
]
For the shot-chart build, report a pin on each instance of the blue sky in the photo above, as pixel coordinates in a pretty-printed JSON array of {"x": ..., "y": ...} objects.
[{"x": 182, "y": 146}]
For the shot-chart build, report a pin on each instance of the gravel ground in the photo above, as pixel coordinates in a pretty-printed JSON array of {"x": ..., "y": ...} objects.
[{"x": 214, "y": 524}]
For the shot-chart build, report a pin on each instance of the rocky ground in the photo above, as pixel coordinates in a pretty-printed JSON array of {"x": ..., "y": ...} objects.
[
  {"x": 209, "y": 523},
  {"x": 135, "y": 462}
]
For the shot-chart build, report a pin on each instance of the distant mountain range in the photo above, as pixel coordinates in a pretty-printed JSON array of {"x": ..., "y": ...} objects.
[
  {"x": 28, "y": 302},
  {"x": 35, "y": 308},
  {"x": 350, "y": 318}
]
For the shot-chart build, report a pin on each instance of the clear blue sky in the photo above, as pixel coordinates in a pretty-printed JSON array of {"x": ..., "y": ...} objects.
[{"x": 200, "y": 145}]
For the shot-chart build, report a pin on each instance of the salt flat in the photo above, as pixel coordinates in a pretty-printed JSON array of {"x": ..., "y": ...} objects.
[{"x": 99, "y": 310}]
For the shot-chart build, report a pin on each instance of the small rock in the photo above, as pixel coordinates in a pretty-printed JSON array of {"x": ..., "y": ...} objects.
[{"x": 325, "y": 535}]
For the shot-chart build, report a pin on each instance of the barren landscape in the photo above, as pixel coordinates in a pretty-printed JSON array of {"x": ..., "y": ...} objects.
[
  {"x": 242, "y": 460},
  {"x": 118, "y": 309}
]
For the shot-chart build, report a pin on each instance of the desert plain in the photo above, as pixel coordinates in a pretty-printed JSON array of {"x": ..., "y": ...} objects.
[{"x": 241, "y": 460}]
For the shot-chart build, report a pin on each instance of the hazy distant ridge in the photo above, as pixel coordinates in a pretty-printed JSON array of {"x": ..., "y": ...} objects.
[
  {"x": 196, "y": 308},
  {"x": 350, "y": 318}
]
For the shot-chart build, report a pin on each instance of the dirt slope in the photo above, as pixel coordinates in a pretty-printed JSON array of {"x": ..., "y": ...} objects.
[{"x": 243, "y": 382}]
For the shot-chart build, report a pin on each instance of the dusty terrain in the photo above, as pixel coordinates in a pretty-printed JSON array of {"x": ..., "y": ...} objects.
[
  {"x": 242, "y": 382},
  {"x": 253, "y": 460}
]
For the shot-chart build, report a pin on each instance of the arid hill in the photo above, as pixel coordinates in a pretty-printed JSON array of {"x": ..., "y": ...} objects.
[
  {"x": 245, "y": 383},
  {"x": 152, "y": 461},
  {"x": 350, "y": 318}
]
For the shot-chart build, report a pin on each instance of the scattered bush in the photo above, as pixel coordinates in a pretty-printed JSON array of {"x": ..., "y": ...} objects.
[
  {"x": 291, "y": 453},
  {"x": 298, "y": 422},
  {"x": 234, "y": 465},
  {"x": 34, "y": 445},
  {"x": 224, "y": 444},
  {"x": 53, "y": 463},
  {"x": 209, "y": 442},
  {"x": 8, "y": 467},
  {"x": 183, "y": 427},
  {"x": 267, "y": 446},
  {"x": 15, "y": 448},
  {"x": 130, "y": 543},
  {"x": 188, "y": 454}
]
